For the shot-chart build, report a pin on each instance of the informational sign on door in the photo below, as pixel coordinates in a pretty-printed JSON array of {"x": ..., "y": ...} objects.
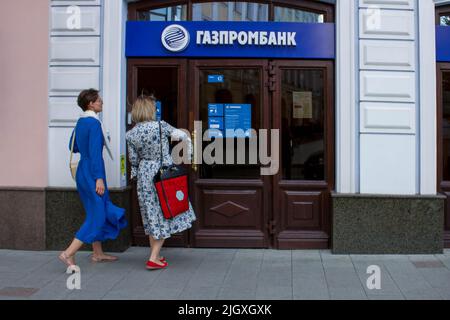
[
  {"x": 215, "y": 123},
  {"x": 302, "y": 105},
  {"x": 215, "y": 78},
  {"x": 215, "y": 110},
  {"x": 223, "y": 117},
  {"x": 215, "y": 120},
  {"x": 238, "y": 116},
  {"x": 122, "y": 165},
  {"x": 158, "y": 110}
]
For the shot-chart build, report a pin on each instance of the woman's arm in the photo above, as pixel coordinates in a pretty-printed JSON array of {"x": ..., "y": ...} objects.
[
  {"x": 133, "y": 156},
  {"x": 177, "y": 135},
  {"x": 96, "y": 151}
]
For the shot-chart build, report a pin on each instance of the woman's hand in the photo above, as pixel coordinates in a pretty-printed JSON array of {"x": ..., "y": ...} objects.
[{"x": 100, "y": 187}]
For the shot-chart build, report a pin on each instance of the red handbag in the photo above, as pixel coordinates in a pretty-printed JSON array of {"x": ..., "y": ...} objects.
[{"x": 171, "y": 185}]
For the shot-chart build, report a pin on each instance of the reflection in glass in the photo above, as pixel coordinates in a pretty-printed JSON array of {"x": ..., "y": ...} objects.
[
  {"x": 174, "y": 13},
  {"x": 238, "y": 86},
  {"x": 283, "y": 14},
  {"x": 164, "y": 87},
  {"x": 445, "y": 20},
  {"x": 230, "y": 11},
  {"x": 302, "y": 127},
  {"x": 446, "y": 123}
]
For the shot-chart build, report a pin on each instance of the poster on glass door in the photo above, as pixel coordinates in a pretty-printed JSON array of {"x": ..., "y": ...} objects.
[{"x": 232, "y": 120}]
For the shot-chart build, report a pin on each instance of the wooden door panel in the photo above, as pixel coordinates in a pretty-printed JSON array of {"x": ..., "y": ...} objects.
[
  {"x": 445, "y": 190},
  {"x": 229, "y": 217},
  {"x": 231, "y": 208},
  {"x": 303, "y": 239},
  {"x": 447, "y": 209},
  {"x": 302, "y": 209}
]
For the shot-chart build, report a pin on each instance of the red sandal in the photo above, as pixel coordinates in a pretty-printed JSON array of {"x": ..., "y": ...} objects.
[{"x": 153, "y": 266}]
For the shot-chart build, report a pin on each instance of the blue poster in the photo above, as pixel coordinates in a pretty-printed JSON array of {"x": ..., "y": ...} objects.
[
  {"x": 215, "y": 127},
  {"x": 215, "y": 110},
  {"x": 215, "y": 123},
  {"x": 442, "y": 44},
  {"x": 158, "y": 110},
  {"x": 231, "y": 116},
  {"x": 238, "y": 116}
]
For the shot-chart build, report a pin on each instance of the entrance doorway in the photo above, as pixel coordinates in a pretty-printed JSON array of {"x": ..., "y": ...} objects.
[
  {"x": 443, "y": 125},
  {"x": 443, "y": 148},
  {"x": 236, "y": 205},
  {"x": 166, "y": 80}
]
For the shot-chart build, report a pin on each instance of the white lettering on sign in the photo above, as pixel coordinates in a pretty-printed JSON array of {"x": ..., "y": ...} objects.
[
  {"x": 256, "y": 38},
  {"x": 223, "y": 37},
  {"x": 215, "y": 37},
  {"x": 252, "y": 38},
  {"x": 199, "y": 36},
  {"x": 263, "y": 38},
  {"x": 233, "y": 36}
]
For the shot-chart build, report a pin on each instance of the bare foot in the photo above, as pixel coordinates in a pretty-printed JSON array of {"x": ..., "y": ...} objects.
[
  {"x": 158, "y": 262},
  {"x": 66, "y": 259},
  {"x": 103, "y": 258},
  {"x": 160, "y": 258}
]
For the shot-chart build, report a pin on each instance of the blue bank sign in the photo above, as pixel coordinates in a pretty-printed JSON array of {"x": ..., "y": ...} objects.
[
  {"x": 443, "y": 44},
  {"x": 230, "y": 39}
]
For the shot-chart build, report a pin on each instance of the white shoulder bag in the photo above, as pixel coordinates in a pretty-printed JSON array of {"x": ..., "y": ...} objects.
[{"x": 73, "y": 164}]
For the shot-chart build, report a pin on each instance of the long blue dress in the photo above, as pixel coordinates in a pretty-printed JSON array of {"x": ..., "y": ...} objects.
[{"x": 104, "y": 220}]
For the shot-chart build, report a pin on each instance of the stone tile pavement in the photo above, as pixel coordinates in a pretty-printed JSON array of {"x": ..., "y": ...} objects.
[{"x": 227, "y": 274}]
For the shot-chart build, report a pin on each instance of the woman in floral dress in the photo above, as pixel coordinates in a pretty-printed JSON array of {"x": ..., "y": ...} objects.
[{"x": 144, "y": 152}]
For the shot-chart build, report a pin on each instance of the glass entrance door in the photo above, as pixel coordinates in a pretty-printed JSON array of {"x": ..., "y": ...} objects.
[
  {"x": 303, "y": 111},
  {"x": 232, "y": 198},
  {"x": 290, "y": 107}
]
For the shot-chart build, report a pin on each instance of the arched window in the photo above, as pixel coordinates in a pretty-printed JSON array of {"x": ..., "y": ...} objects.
[{"x": 250, "y": 11}]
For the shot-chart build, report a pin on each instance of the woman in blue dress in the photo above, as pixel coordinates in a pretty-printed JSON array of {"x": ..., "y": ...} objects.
[{"x": 103, "y": 219}]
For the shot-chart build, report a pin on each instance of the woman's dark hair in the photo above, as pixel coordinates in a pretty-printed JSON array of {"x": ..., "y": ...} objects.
[{"x": 86, "y": 97}]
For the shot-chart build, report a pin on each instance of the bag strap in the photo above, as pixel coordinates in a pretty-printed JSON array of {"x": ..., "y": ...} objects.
[
  {"x": 73, "y": 142},
  {"x": 161, "y": 169},
  {"x": 160, "y": 147}
]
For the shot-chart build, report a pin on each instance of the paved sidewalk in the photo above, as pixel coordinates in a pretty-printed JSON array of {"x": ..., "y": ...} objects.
[{"x": 227, "y": 274}]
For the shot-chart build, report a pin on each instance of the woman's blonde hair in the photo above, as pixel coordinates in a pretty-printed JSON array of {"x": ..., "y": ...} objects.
[{"x": 144, "y": 109}]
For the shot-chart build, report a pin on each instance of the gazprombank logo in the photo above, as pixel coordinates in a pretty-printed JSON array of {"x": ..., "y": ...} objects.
[{"x": 175, "y": 38}]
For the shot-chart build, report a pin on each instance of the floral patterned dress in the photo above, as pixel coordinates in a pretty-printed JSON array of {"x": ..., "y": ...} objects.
[{"x": 144, "y": 154}]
